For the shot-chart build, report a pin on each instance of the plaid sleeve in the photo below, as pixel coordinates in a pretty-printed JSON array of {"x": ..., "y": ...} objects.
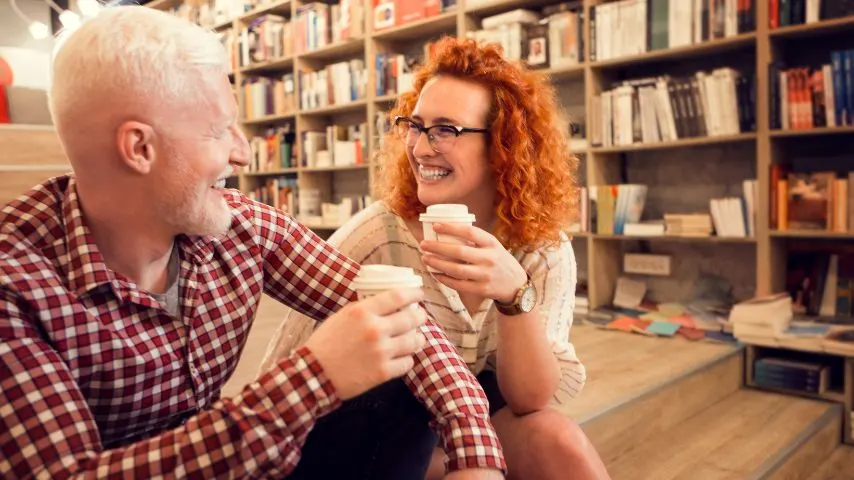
[
  {"x": 47, "y": 430},
  {"x": 301, "y": 270},
  {"x": 452, "y": 393}
]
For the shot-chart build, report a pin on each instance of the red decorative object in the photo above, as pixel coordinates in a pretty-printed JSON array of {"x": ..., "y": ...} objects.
[
  {"x": 6, "y": 76},
  {"x": 4, "y": 106}
]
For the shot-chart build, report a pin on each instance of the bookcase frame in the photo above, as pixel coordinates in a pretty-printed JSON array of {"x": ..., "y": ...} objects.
[
  {"x": 604, "y": 257},
  {"x": 601, "y": 166}
]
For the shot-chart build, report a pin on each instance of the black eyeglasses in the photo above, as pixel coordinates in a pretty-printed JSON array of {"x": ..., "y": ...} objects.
[{"x": 441, "y": 138}]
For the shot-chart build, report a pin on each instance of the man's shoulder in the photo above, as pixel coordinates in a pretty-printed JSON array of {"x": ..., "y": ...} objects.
[
  {"x": 25, "y": 269},
  {"x": 251, "y": 212},
  {"x": 42, "y": 204},
  {"x": 30, "y": 227}
]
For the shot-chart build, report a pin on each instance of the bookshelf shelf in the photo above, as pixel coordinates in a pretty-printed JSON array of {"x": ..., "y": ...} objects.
[
  {"x": 823, "y": 27},
  {"x": 829, "y": 395},
  {"x": 814, "y": 234},
  {"x": 269, "y": 173},
  {"x": 711, "y": 47},
  {"x": 335, "y": 51},
  {"x": 342, "y": 168},
  {"x": 442, "y": 23},
  {"x": 270, "y": 66},
  {"x": 269, "y": 119},
  {"x": 348, "y": 107},
  {"x": 487, "y": 8},
  {"x": 674, "y": 238},
  {"x": 279, "y": 8},
  {"x": 683, "y": 143},
  {"x": 848, "y": 129},
  {"x": 386, "y": 98},
  {"x": 222, "y": 25},
  {"x": 569, "y": 72}
]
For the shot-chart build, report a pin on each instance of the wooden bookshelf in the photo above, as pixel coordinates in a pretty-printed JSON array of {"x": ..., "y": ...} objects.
[
  {"x": 601, "y": 164},
  {"x": 760, "y": 148}
]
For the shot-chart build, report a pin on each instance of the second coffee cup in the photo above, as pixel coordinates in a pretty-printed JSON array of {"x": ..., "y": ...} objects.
[{"x": 375, "y": 279}]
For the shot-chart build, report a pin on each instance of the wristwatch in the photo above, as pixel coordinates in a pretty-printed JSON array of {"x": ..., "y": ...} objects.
[{"x": 526, "y": 299}]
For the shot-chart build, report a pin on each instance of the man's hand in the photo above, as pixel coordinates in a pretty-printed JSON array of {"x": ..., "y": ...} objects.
[
  {"x": 369, "y": 342},
  {"x": 475, "y": 474}
]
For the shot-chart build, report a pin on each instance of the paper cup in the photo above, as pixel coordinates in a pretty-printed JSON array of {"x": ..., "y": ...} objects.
[
  {"x": 375, "y": 279},
  {"x": 444, "y": 213}
]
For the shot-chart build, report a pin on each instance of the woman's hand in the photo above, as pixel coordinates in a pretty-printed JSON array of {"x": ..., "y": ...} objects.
[{"x": 481, "y": 265}]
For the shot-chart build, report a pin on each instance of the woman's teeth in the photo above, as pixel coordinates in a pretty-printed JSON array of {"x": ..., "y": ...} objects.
[
  {"x": 219, "y": 183},
  {"x": 432, "y": 173}
]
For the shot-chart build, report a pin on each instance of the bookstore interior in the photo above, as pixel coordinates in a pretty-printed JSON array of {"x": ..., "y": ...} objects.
[{"x": 715, "y": 140}]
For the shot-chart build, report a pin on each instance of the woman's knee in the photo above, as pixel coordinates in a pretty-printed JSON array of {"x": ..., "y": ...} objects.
[{"x": 553, "y": 433}]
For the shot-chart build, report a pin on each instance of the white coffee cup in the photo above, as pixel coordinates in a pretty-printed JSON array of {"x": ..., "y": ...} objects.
[
  {"x": 444, "y": 213},
  {"x": 375, "y": 279}
]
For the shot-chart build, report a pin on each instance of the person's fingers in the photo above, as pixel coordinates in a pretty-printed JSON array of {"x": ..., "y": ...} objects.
[
  {"x": 397, "y": 367},
  {"x": 391, "y": 301},
  {"x": 454, "y": 251},
  {"x": 468, "y": 233},
  {"x": 462, "y": 286},
  {"x": 403, "y": 321},
  {"x": 407, "y": 343},
  {"x": 456, "y": 270}
]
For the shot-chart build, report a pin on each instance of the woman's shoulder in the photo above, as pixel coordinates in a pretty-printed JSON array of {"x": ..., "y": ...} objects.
[
  {"x": 561, "y": 249},
  {"x": 558, "y": 257},
  {"x": 371, "y": 231}
]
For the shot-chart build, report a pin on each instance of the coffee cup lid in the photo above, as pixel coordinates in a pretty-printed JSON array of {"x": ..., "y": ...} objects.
[
  {"x": 447, "y": 212},
  {"x": 386, "y": 276}
]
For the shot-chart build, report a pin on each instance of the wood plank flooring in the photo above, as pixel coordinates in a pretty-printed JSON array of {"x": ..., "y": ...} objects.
[
  {"x": 620, "y": 366},
  {"x": 840, "y": 465}
]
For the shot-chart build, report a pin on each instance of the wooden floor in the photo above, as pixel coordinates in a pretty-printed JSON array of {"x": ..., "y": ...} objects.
[
  {"x": 620, "y": 366},
  {"x": 623, "y": 366},
  {"x": 840, "y": 465}
]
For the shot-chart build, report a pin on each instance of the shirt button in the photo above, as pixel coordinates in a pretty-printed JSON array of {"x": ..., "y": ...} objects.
[{"x": 193, "y": 371}]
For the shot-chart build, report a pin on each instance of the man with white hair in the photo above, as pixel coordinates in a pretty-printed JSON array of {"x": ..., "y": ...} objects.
[{"x": 128, "y": 287}]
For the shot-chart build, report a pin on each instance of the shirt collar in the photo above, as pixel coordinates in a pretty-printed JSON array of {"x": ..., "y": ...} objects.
[{"x": 85, "y": 264}]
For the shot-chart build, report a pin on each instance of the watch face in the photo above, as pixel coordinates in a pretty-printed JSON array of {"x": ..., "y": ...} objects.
[{"x": 528, "y": 300}]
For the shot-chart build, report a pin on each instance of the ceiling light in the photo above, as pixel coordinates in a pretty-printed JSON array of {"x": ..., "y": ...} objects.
[
  {"x": 39, "y": 30},
  {"x": 89, "y": 8},
  {"x": 69, "y": 19}
]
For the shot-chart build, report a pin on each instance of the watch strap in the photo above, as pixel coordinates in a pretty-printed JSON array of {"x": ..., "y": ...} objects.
[{"x": 514, "y": 308}]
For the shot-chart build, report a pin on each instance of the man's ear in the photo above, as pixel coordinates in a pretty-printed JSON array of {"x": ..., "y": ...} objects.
[{"x": 136, "y": 146}]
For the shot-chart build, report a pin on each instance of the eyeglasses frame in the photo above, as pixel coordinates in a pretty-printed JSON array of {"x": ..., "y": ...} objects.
[{"x": 458, "y": 129}]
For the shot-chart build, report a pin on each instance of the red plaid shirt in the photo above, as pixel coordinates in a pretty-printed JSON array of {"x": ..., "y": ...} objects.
[{"x": 96, "y": 377}]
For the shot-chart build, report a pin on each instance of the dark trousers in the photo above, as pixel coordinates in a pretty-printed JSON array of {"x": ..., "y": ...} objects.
[{"x": 381, "y": 434}]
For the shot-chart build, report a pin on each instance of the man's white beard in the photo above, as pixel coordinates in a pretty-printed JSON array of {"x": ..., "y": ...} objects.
[{"x": 191, "y": 210}]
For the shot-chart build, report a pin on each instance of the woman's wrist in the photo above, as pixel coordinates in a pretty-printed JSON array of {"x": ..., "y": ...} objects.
[{"x": 508, "y": 297}]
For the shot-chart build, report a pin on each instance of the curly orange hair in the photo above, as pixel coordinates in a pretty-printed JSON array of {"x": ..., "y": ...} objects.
[{"x": 537, "y": 193}]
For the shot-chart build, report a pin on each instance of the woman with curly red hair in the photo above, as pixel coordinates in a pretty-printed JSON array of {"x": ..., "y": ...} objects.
[{"x": 484, "y": 132}]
